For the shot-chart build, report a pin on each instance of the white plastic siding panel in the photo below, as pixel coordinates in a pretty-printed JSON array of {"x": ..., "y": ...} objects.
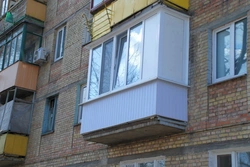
[
  {"x": 151, "y": 47},
  {"x": 171, "y": 58},
  {"x": 171, "y": 100},
  {"x": 125, "y": 106}
]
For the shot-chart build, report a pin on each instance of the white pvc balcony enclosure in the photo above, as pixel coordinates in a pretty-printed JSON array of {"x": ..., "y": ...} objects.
[{"x": 138, "y": 79}]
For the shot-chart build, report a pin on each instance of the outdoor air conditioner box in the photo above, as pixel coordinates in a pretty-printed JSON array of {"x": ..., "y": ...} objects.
[{"x": 40, "y": 56}]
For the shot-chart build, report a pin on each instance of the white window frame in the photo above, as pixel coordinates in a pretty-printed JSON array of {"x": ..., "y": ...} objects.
[
  {"x": 82, "y": 99},
  {"x": 61, "y": 44},
  {"x": 231, "y": 27},
  {"x": 114, "y": 52},
  {"x": 232, "y": 151},
  {"x": 136, "y": 162},
  {"x": 4, "y": 6}
]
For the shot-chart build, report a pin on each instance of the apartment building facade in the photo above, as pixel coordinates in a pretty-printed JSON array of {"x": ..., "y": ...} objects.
[{"x": 142, "y": 83}]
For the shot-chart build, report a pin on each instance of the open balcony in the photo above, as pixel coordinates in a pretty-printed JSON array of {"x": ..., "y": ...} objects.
[{"x": 16, "y": 106}]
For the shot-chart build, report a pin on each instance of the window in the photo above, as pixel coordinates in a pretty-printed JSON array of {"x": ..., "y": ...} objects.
[
  {"x": 60, "y": 40},
  {"x": 96, "y": 2},
  {"x": 97, "y": 5},
  {"x": 6, "y": 4},
  {"x": 117, "y": 62},
  {"x": 232, "y": 159},
  {"x": 49, "y": 115},
  {"x": 229, "y": 53},
  {"x": 147, "y": 162},
  {"x": 82, "y": 99}
]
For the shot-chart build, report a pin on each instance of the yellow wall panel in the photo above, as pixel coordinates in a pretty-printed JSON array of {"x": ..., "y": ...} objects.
[
  {"x": 121, "y": 10},
  {"x": 151, "y": 1},
  {"x": 182, "y": 3},
  {"x": 16, "y": 145},
  {"x": 101, "y": 23},
  {"x": 36, "y": 9},
  {"x": 128, "y": 9},
  {"x": 139, "y": 4}
]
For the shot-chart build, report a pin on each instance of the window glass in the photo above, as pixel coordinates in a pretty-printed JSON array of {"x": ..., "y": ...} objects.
[
  {"x": 49, "y": 115},
  {"x": 4, "y": 7},
  {"x": 96, "y": 2},
  {"x": 243, "y": 159},
  {"x": 161, "y": 163},
  {"x": 13, "y": 51},
  {"x": 18, "y": 47},
  {"x": 1, "y": 57},
  {"x": 135, "y": 52},
  {"x": 121, "y": 62},
  {"x": 223, "y": 53},
  {"x": 224, "y": 160},
  {"x": 130, "y": 165},
  {"x": 52, "y": 108},
  {"x": 111, "y": 71},
  {"x": 146, "y": 164},
  {"x": 106, "y": 67},
  {"x": 6, "y": 58},
  {"x": 60, "y": 43},
  {"x": 32, "y": 43},
  {"x": 59, "y": 40},
  {"x": 240, "y": 47},
  {"x": 95, "y": 72},
  {"x": 81, "y": 100}
]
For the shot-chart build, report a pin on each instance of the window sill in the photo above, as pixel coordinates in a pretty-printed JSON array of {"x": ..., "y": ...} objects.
[
  {"x": 47, "y": 133},
  {"x": 227, "y": 79},
  {"x": 56, "y": 60},
  {"x": 77, "y": 124}
]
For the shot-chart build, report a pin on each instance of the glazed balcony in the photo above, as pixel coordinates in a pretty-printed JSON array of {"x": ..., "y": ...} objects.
[{"x": 138, "y": 79}]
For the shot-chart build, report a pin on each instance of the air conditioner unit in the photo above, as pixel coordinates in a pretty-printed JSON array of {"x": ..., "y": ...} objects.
[{"x": 40, "y": 56}]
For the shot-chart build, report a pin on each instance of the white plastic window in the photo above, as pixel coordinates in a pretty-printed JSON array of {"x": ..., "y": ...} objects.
[{"x": 229, "y": 50}]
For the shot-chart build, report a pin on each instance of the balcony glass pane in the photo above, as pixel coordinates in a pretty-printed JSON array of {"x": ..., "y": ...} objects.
[
  {"x": 13, "y": 51},
  {"x": 18, "y": 47},
  {"x": 95, "y": 72},
  {"x": 106, "y": 67},
  {"x": 120, "y": 63},
  {"x": 32, "y": 43},
  {"x": 1, "y": 57},
  {"x": 135, "y": 52},
  {"x": 7, "y": 53}
]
